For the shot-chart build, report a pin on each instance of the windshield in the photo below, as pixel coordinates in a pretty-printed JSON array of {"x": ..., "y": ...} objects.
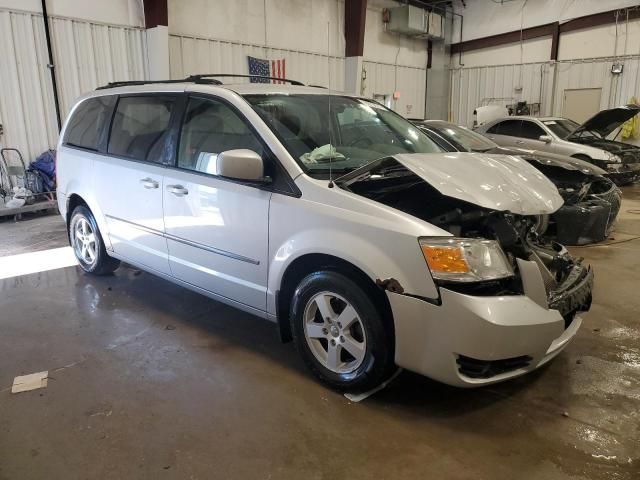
[
  {"x": 561, "y": 127},
  {"x": 357, "y": 132},
  {"x": 470, "y": 141}
]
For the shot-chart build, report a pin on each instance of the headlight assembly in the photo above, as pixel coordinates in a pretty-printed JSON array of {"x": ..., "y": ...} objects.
[
  {"x": 465, "y": 259},
  {"x": 611, "y": 157}
]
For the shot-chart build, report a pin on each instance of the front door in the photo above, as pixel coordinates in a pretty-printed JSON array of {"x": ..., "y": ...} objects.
[
  {"x": 530, "y": 133},
  {"x": 128, "y": 181},
  {"x": 216, "y": 228},
  {"x": 506, "y": 133}
]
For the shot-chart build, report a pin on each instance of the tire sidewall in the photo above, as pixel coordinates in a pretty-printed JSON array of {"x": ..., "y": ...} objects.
[
  {"x": 378, "y": 357},
  {"x": 83, "y": 212}
]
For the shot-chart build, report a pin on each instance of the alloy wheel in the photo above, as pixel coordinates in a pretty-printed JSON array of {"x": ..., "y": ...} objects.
[
  {"x": 334, "y": 332},
  {"x": 84, "y": 241}
]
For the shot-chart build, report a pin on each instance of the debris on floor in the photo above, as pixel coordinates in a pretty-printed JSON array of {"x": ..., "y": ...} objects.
[
  {"x": 358, "y": 397},
  {"x": 29, "y": 382}
]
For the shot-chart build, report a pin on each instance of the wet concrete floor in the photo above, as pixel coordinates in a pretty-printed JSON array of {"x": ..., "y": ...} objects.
[{"x": 148, "y": 380}]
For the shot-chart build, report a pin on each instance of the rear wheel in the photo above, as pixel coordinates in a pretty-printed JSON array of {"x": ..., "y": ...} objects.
[
  {"x": 88, "y": 245},
  {"x": 339, "y": 332}
]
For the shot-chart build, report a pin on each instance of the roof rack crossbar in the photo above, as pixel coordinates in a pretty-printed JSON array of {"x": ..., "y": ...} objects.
[{"x": 204, "y": 76}]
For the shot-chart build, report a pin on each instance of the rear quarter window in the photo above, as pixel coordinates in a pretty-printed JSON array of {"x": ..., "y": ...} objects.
[{"x": 88, "y": 122}]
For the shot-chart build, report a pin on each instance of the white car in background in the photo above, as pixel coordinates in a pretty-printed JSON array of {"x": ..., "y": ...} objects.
[
  {"x": 330, "y": 215},
  {"x": 565, "y": 137}
]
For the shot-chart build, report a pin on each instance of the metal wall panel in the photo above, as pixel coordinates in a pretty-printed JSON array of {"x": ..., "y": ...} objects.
[
  {"x": 477, "y": 86},
  {"x": 191, "y": 55},
  {"x": 596, "y": 73},
  {"x": 495, "y": 85},
  {"x": 385, "y": 79},
  {"x": 86, "y": 55}
]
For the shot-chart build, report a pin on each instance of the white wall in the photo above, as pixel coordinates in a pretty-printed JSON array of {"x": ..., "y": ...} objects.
[
  {"x": 488, "y": 17},
  {"x": 585, "y": 56},
  {"x": 116, "y": 12},
  {"x": 217, "y": 36},
  {"x": 477, "y": 86},
  {"x": 284, "y": 24},
  {"x": 534, "y": 50},
  {"x": 86, "y": 55},
  {"x": 601, "y": 41}
]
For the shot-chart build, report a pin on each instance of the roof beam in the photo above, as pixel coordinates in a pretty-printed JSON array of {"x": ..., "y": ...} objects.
[{"x": 550, "y": 29}]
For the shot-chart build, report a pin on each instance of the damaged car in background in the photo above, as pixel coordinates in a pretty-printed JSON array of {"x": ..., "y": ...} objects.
[
  {"x": 565, "y": 137},
  {"x": 591, "y": 199}
]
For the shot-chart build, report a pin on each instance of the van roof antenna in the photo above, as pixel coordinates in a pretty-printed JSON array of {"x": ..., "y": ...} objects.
[{"x": 330, "y": 125}]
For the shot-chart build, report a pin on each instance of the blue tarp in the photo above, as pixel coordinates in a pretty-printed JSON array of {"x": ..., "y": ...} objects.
[{"x": 45, "y": 165}]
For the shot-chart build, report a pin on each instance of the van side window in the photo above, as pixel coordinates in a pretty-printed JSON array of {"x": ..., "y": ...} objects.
[
  {"x": 140, "y": 127},
  {"x": 211, "y": 127},
  {"x": 88, "y": 121},
  {"x": 510, "y": 128}
]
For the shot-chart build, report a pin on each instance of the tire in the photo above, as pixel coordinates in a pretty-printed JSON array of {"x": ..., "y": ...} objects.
[
  {"x": 87, "y": 243},
  {"x": 361, "y": 355}
]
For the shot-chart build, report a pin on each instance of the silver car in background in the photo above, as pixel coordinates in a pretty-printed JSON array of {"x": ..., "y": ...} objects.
[
  {"x": 565, "y": 137},
  {"x": 329, "y": 215}
]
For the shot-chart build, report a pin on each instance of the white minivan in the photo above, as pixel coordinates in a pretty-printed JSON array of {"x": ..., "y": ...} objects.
[{"x": 329, "y": 215}]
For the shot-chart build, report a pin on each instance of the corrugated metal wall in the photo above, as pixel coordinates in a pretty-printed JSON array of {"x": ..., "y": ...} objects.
[
  {"x": 189, "y": 55},
  {"x": 495, "y": 85},
  {"x": 384, "y": 79},
  {"x": 86, "y": 55},
  {"x": 477, "y": 86}
]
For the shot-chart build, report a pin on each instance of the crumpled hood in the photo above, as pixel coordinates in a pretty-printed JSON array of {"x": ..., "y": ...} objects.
[
  {"x": 496, "y": 182},
  {"x": 606, "y": 121}
]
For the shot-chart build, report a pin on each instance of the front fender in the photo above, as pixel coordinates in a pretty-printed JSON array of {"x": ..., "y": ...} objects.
[{"x": 381, "y": 249}]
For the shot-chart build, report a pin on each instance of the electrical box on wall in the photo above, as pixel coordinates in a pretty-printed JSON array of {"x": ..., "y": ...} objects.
[{"x": 414, "y": 22}]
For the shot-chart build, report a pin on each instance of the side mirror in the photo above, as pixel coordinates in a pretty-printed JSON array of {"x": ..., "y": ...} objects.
[
  {"x": 545, "y": 138},
  {"x": 241, "y": 164}
]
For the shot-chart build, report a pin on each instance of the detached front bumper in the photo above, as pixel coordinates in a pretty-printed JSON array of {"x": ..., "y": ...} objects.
[{"x": 470, "y": 341}]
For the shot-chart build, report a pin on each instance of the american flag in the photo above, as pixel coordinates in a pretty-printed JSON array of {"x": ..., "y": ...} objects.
[{"x": 266, "y": 68}]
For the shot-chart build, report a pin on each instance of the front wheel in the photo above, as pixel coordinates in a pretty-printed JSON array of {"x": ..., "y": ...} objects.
[
  {"x": 339, "y": 332},
  {"x": 88, "y": 245}
]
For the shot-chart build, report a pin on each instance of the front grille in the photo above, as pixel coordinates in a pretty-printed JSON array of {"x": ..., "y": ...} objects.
[{"x": 474, "y": 368}]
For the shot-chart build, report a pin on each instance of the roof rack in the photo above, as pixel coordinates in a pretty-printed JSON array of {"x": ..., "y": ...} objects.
[
  {"x": 127, "y": 83},
  {"x": 205, "y": 78}
]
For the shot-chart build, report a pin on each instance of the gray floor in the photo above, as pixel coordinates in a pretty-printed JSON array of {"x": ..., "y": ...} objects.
[{"x": 152, "y": 381}]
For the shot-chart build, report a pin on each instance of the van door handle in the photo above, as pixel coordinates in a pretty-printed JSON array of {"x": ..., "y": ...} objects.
[
  {"x": 519, "y": 142},
  {"x": 177, "y": 190},
  {"x": 148, "y": 183}
]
